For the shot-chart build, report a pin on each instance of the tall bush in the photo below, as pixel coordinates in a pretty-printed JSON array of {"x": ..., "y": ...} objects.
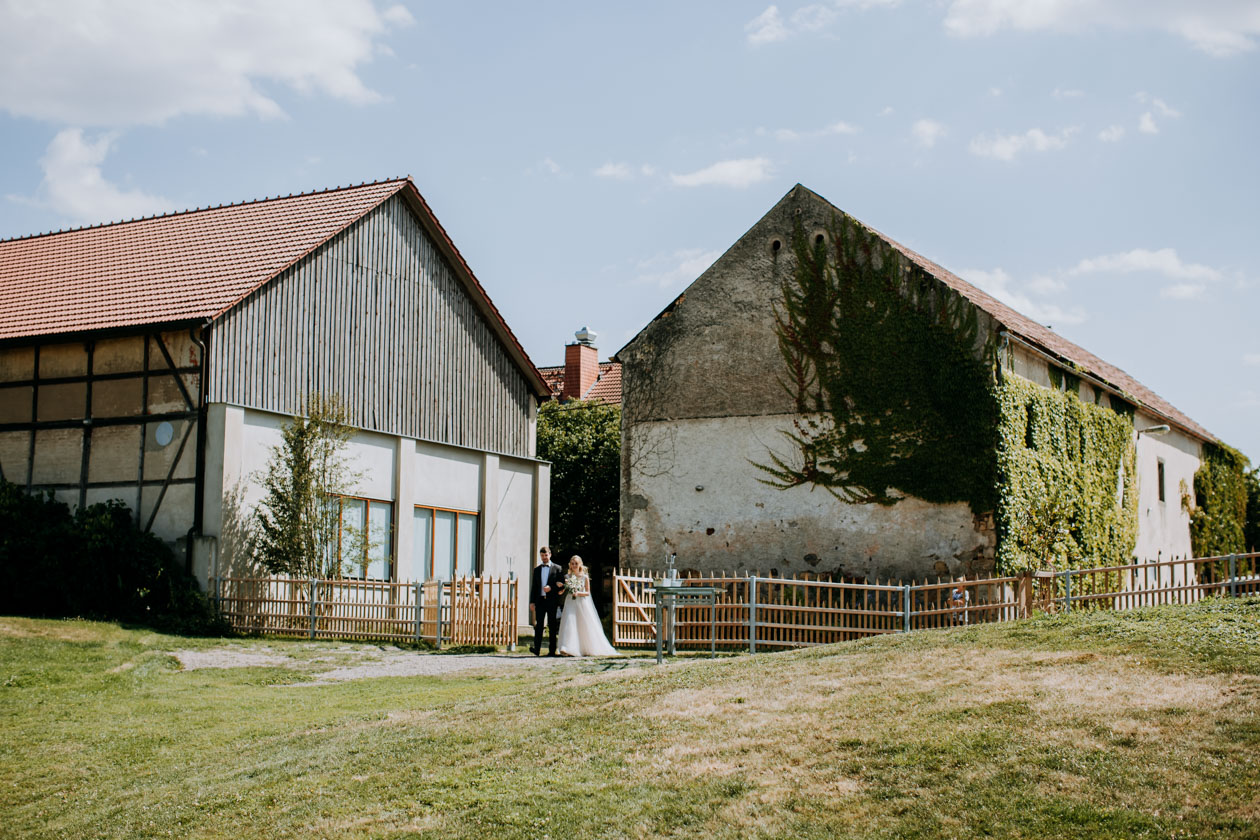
[
  {"x": 298, "y": 519},
  {"x": 95, "y": 563}
]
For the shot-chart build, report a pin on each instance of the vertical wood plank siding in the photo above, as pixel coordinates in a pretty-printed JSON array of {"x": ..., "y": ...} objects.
[{"x": 377, "y": 316}]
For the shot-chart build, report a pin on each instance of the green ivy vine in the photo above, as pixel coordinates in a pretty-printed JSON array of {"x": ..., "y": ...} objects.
[
  {"x": 1067, "y": 479},
  {"x": 1218, "y": 512},
  {"x": 897, "y": 393}
]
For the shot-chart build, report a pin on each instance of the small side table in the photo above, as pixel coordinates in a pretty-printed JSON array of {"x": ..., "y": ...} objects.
[{"x": 669, "y": 596}]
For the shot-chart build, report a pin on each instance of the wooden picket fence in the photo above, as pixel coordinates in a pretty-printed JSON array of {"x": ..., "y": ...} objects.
[
  {"x": 465, "y": 611},
  {"x": 755, "y": 611}
]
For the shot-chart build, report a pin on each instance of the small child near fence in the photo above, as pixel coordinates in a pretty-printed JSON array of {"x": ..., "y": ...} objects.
[{"x": 959, "y": 600}]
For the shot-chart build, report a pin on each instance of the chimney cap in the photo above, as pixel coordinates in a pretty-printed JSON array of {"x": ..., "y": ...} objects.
[{"x": 585, "y": 336}]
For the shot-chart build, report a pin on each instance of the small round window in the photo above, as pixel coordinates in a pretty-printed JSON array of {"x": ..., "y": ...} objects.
[{"x": 164, "y": 433}]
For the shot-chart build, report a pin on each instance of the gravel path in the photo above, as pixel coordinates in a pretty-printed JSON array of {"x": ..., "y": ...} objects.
[{"x": 344, "y": 663}]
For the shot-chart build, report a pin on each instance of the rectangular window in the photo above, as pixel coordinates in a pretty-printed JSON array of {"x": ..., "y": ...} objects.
[
  {"x": 1159, "y": 467},
  {"x": 445, "y": 544},
  {"x": 365, "y": 538}
]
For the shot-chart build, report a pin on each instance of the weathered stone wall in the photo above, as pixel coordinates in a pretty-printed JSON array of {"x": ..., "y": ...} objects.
[
  {"x": 712, "y": 509},
  {"x": 703, "y": 401}
]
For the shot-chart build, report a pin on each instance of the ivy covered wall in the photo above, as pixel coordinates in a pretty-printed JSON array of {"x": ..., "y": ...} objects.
[
  {"x": 1067, "y": 480},
  {"x": 1218, "y": 512}
]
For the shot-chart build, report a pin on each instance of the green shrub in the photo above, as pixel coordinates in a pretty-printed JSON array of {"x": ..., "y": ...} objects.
[{"x": 95, "y": 563}]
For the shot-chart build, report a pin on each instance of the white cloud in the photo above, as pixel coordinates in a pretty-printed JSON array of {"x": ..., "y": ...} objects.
[
  {"x": 1146, "y": 123},
  {"x": 1008, "y": 147},
  {"x": 926, "y": 132},
  {"x": 840, "y": 127},
  {"x": 1111, "y": 134},
  {"x": 1164, "y": 262},
  {"x": 617, "y": 171},
  {"x": 1220, "y": 27},
  {"x": 1061, "y": 93},
  {"x": 1182, "y": 291},
  {"x": 647, "y": 170},
  {"x": 766, "y": 28},
  {"x": 126, "y": 62},
  {"x": 887, "y": 111},
  {"x": 1044, "y": 284},
  {"x": 675, "y": 269},
  {"x": 727, "y": 173},
  {"x": 74, "y": 185},
  {"x": 1164, "y": 109},
  {"x": 812, "y": 17},
  {"x": 769, "y": 26},
  {"x": 999, "y": 284},
  {"x": 1251, "y": 358},
  {"x": 550, "y": 166}
]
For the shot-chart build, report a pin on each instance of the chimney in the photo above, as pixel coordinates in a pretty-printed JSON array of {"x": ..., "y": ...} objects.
[{"x": 581, "y": 365}]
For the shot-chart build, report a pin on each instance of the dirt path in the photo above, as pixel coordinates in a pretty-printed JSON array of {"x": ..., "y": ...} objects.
[{"x": 347, "y": 662}]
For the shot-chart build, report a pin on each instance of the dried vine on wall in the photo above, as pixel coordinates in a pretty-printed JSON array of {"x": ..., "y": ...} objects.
[{"x": 890, "y": 377}]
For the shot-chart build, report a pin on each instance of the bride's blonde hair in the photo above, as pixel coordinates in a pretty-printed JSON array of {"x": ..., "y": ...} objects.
[{"x": 581, "y": 566}]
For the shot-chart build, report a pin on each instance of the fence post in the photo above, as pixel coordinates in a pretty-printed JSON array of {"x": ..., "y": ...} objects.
[
  {"x": 214, "y": 598},
  {"x": 419, "y": 608},
  {"x": 752, "y": 614},
  {"x": 437, "y": 637},
  {"x": 511, "y": 588},
  {"x": 1067, "y": 590},
  {"x": 905, "y": 608},
  {"x": 1233, "y": 575},
  {"x": 313, "y": 608}
]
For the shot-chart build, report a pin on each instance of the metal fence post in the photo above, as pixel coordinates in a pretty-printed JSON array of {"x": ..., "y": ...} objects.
[
  {"x": 1233, "y": 575},
  {"x": 512, "y": 599},
  {"x": 313, "y": 608},
  {"x": 905, "y": 608},
  {"x": 419, "y": 608},
  {"x": 438, "y": 636},
  {"x": 752, "y": 614},
  {"x": 1067, "y": 590}
]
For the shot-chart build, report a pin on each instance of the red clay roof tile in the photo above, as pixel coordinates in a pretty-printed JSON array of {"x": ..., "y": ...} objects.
[{"x": 193, "y": 265}]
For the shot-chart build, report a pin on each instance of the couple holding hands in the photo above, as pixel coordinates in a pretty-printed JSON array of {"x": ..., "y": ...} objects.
[{"x": 551, "y": 589}]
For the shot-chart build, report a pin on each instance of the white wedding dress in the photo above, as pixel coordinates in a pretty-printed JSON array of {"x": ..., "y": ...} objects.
[{"x": 581, "y": 634}]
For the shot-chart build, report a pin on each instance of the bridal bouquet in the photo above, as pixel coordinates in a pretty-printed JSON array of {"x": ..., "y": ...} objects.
[{"x": 575, "y": 584}]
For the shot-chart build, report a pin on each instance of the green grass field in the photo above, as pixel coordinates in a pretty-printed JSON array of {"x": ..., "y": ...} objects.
[{"x": 1142, "y": 724}]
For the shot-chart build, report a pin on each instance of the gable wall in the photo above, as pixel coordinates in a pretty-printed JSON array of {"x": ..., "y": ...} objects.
[
  {"x": 702, "y": 402},
  {"x": 377, "y": 316}
]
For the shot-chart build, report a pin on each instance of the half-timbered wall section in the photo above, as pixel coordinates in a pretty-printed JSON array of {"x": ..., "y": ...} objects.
[
  {"x": 110, "y": 418},
  {"x": 379, "y": 317}
]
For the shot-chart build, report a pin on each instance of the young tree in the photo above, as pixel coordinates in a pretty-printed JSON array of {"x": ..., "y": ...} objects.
[
  {"x": 582, "y": 440},
  {"x": 297, "y": 522}
]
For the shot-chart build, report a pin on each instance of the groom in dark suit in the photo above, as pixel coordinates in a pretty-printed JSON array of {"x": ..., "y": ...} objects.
[{"x": 546, "y": 588}]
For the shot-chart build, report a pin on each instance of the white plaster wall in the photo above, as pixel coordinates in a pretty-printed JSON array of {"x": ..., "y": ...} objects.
[
  {"x": 514, "y": 515},
  {"x": 509, "y": 494},
  {"x": 446, "y": 476},
  {"x": 1164, "y": 527},
  {"x": 736, "y": 522}
]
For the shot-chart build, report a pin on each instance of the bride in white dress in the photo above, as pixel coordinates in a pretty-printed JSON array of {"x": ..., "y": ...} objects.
[{"x": 580, "y": 631}]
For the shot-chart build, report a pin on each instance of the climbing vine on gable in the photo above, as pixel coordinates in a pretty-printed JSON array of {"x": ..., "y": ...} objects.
[
  {"x": 889, "y": 373},
  {"x": 1061, "y": 458}
]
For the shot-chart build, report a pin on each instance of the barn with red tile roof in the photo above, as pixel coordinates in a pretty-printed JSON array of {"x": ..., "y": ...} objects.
[{"x": 154, "y": 360}]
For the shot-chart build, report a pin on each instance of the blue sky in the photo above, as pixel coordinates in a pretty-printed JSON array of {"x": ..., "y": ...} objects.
[{"x": 1092, "y": 163}]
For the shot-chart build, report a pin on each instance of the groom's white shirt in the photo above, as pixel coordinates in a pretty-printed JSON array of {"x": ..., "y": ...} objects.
[{"x": 546, "y": 573}]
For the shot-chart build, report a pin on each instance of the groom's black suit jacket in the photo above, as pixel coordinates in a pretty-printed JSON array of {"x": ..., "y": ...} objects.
[{"x": 546, "y": 600}]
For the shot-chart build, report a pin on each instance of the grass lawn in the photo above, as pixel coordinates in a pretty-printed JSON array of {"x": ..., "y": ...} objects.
[{"x": 1141, "y": 724}]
